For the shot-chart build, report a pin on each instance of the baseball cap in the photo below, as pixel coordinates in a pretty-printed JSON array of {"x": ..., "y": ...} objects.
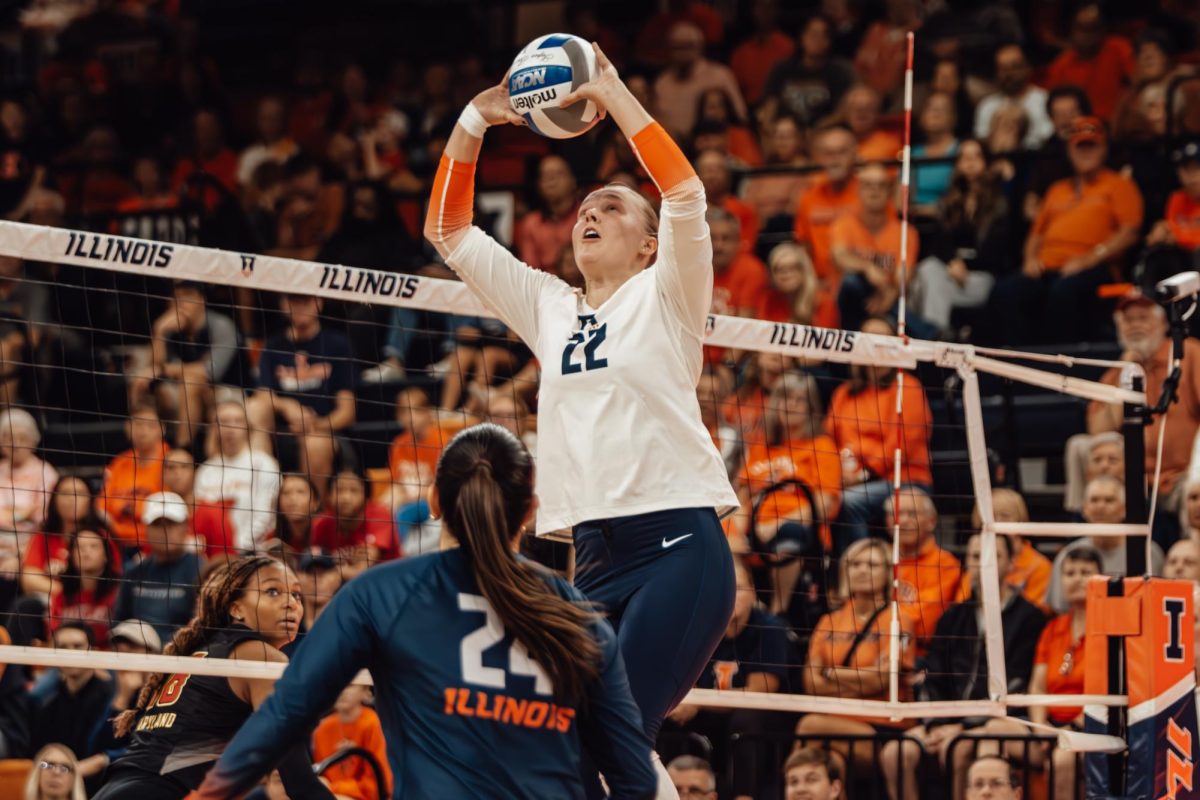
[
  {"x": 164, "y": 505},
  {"x": 1134, "y": 297},
  {"x": 137, "y": 632},
  {"x": 1087, "y": 129},
  {"x": 1188, "y": 151}
]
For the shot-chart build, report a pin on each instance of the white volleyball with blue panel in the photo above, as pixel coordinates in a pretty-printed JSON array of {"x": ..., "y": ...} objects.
[{"x": 543, "y": 73}]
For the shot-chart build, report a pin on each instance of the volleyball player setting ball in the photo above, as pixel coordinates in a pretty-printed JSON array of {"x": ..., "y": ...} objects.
[
  {"x": 491, "y": 673},
  {"x": 623, "y": 457},
  {"x": 248, "y": 609}
]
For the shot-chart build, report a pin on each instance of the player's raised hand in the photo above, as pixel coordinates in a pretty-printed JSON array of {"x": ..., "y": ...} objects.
[
  {"x": 603, "y": 88},
  {"x": 493, "y": 105}
]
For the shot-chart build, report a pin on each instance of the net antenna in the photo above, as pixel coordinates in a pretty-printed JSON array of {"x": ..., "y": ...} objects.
[{"x": 901, "y": 331}]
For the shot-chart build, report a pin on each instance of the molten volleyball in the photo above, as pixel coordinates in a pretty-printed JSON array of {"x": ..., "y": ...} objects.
[{"x": 543, "y": 73}]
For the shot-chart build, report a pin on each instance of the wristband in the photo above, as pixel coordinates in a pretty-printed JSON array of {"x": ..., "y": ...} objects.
[{"x": 472, "y": 121}]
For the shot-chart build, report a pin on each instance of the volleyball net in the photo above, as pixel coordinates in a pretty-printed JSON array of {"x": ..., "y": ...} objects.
[{"x": 101, "y": 338}]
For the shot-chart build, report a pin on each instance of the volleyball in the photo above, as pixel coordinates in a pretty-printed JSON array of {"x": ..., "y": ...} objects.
[{"x": 545, "y": 71}]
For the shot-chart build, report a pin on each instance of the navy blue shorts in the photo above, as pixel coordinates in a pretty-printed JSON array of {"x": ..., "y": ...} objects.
[{"x": 665, "y": 579}]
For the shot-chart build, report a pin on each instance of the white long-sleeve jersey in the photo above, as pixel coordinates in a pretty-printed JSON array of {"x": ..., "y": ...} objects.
[
  {"x": 248, "y": 484},
  {"x": 619, "y": 429}
]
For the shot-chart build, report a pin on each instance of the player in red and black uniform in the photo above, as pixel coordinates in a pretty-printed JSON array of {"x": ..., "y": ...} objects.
[{"x": 248, "y": 610}]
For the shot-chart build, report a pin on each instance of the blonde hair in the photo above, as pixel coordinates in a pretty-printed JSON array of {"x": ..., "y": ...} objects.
[
  {"x": 804, "y": 302},
  {"x": 18, "y": 419},
  {"x": 1003, "y": 494},
  {"x": 33, "y": 789},
  {"x": 842, "y": 596}
]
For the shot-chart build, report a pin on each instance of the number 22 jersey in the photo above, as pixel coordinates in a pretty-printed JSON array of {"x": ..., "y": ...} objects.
[{"x": 619, "y": 429}]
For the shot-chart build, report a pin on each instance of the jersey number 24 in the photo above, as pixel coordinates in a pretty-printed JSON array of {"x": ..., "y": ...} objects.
[{"x": 492, "y": 633}]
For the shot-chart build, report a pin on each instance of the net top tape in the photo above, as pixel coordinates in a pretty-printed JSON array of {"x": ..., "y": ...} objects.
[{"x": 173, "y": 261}]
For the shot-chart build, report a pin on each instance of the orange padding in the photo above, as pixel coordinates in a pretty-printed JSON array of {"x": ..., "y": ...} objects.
[
  {"x": 661, "y": 157},
  {"x": 452, "y": 200},
  {"x": 1118, "y": 616}
]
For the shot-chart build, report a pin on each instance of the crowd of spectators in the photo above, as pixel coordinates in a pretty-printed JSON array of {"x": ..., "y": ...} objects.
[{"x": 1054, "y": 174}]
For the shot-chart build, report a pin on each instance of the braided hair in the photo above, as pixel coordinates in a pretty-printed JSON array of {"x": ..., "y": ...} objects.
[{"x": 223, "y": 587}]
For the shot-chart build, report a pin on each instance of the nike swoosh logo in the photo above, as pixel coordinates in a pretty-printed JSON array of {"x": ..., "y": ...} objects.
[{"x": 668, "y": 542}]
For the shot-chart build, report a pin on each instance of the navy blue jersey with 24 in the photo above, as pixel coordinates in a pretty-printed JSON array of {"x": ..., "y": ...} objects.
[{"x": 465, "y": 711}]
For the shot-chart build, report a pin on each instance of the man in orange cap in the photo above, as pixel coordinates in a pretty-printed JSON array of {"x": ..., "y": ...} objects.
[{"x": 1085, "y": 224}]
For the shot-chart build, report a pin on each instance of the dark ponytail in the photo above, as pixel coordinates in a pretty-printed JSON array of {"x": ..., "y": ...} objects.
[
  {"x": 220, "y": 590},
  {"x": 485, "y": 486}
]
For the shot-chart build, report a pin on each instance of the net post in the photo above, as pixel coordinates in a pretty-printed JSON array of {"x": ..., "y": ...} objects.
[{"x": 1133, "y": 431}]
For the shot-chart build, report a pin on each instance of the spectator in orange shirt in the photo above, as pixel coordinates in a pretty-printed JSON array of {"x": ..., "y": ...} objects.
[
  {"x": 412, "y": 461},
  {"x": 793, "y": 293},
  {"x": 1142, "y": 332},
  {"x": 928, "y": 576},
  {"x": 713, "y": 169},
  {"x": 850, "y": 649},
  {"x": 133, "y": 476},
  {"x": 862, "y": 421},
  {"x": 881, "y": 57},
  {"x": 865, "y": 246},
  {"x": 210, "y": 156},
  {"x": 353, "y": 724},
  {"x": 542, "y": 234},
  {"x": 860, "y": 110},
  {"x": 1099, "y": 63},
  {"x": 739, "y": 279},
  {"x": 776, "y": 195},
  {"x": 832, "y": 195},
  {"x": 689, "y": 73},
  {"x": 794, "y": 448},
  {"x": 1085, "y": 224},
  {"x": 714, "y": 108},
  {"x": 1059, "y": 667},
  {"x": 1181, "y": 227},
  {"x": 753, "y": 59},
  {"x": 1030, "y": 571}
]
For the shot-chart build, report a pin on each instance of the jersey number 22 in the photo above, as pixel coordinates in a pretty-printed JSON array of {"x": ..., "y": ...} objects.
[
  {"x": 491, "y": 634},
  {"x": 591, "y": 336}
]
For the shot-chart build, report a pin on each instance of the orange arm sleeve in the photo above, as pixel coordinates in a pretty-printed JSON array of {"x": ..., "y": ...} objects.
[
  {"x": 661, "y": 157},
  {"x": 452, "y": 200}
]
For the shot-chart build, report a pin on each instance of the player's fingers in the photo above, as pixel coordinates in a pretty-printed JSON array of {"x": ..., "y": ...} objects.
[
  {"x": 515, "y": 118},
  {"x": 602, "y": 61}
]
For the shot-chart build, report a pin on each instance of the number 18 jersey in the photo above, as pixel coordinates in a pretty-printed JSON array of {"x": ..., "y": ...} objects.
[{"x": 191, "y": 718}]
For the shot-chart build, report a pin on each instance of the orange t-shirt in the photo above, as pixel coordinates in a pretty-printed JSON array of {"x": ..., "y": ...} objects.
[
  {"x": 738, "y": 287},
  {"x": 1182, "y": 417},
  {"x": 352, "y": 777},
  {"x": 865, "y": 423},
  {"x": 814, "y": 461},
  {"x": 1052, "y": 651},
  {"x": 881, "y": 247},
  {"x": 753, "y": 60},
  {"x": 835, "y": 633},
  {"x": 127, "y": 483},
  {"x": 747, "y": 218},
  {"x": 413, "y": 461},
  {"x": 927, "y": 585},
  {"x": 775, "y": 306},
  {"x": 819, "y": 207},
  {"x": 880, "y": 145},
  {"x": 1076, "y": 217},
  {"x": 1102, "y": 78},
  {"x": 1030, "y": 575},
  {"x": 1183, "y": 219}
]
